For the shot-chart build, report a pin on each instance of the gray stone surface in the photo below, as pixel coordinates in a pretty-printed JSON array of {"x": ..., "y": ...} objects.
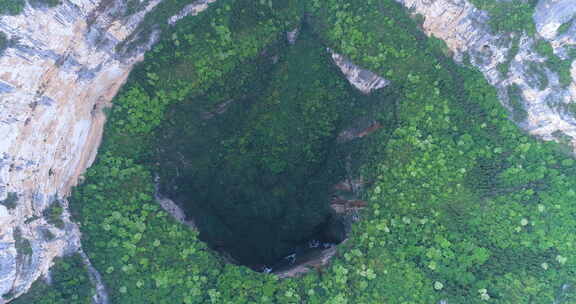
[{"x": 364, "y": 80}]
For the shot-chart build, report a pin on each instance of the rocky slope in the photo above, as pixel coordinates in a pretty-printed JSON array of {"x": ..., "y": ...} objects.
[
  {"x": 466, "y": 31},
  {"x": 61, "y": 68}
]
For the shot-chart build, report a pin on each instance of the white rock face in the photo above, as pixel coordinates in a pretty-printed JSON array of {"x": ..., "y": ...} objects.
[
  {"x": 192, "y": 9},
  {"x": 465, "y": 30},
  {"x": 60, "y": 71},
  {"x": 54, "y": 82},
  {"x": 292, "y": 36},
  {"x": 365, "y": 81}
]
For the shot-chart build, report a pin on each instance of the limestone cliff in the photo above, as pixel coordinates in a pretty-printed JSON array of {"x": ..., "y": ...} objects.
[
  {"x": 61, "y": 68},
  {"x": 466, "y": 31}
]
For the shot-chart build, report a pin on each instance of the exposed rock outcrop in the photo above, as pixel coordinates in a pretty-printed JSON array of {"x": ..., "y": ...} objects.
[
  {"x": 315, "y": 261},
  {"x": 192, "y": 9},
  {"x": 60, "y": 70},
  {"x": 364, "y": 80},
  {"x": 466, "y": 31},
  {"x": 170, "y": 206},
  {"x": 292, "y": 35}
]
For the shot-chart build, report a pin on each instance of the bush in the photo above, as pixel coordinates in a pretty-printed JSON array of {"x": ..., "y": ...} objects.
[
  {"x": 22, "y": 244},
  {"x": 49, "y": 3},
  {"x": 11, "y": 201},
  {"x": 509, "y": 16},
  {"x": 11, "y": 7},
  {"x": 555, "y": 63},
  {"x": 53, "y": 214},
  {"x": 565, "y": 27},
  {"x": 3, "y": 42}
]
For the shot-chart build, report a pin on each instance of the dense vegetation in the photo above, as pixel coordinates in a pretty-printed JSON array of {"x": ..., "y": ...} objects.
[
  {"x": 3, "y": 42},
  {"x": 48, "y": 3},
  {"x": 463, "y": 207},
  {"x": 509, "y": 16},
  {"x": 15, "y": 7},
  {"x": 11, "y": 200},
  {"x": 515, "y": 101},
  {"x": 555, "y": 63},
  {"x": 69, "y": 284},
  {"x": 565, "y": 27},
  {"x": 53, "y": 214},
  {"x": 22, "y": 244},
  {"x": 11, "y": 7},
  {"x": 262, "y": 150}
]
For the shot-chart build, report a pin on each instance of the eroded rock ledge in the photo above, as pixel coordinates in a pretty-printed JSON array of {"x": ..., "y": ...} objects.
[{"x": 364, "y": 80}]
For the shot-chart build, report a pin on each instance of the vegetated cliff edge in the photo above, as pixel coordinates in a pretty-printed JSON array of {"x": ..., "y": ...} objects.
[
  {"x": 61, "y": 67},
  {"x": 530, "y": 84}
]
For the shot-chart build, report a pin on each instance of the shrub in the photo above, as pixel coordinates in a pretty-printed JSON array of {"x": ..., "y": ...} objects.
[
  {"x": 11, "y": 201},
  {"x": 53, "y": 214}
]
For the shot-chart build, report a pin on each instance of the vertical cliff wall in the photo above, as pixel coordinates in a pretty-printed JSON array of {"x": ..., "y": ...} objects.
[
  {"x": 60, "y": 70},
  {"x": 57, "y": 74}
]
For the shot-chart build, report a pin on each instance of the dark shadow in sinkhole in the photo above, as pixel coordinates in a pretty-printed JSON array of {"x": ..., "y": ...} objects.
[{"x": 253, "y": 161}]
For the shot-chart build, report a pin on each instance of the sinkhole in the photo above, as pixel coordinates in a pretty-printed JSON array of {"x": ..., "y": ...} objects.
[{"x": 260, "y": 160}]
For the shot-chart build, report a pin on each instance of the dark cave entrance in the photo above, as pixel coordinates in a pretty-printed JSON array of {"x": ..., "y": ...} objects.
[{"x": 255, "y": 161}]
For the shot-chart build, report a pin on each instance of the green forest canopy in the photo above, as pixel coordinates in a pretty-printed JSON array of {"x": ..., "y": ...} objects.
[
  {"x": 254, "y": 159},
  {"x": 463, "y": 208}
]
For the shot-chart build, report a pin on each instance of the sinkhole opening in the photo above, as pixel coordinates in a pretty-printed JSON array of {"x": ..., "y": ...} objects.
[{"x": 267, "y": 162}]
